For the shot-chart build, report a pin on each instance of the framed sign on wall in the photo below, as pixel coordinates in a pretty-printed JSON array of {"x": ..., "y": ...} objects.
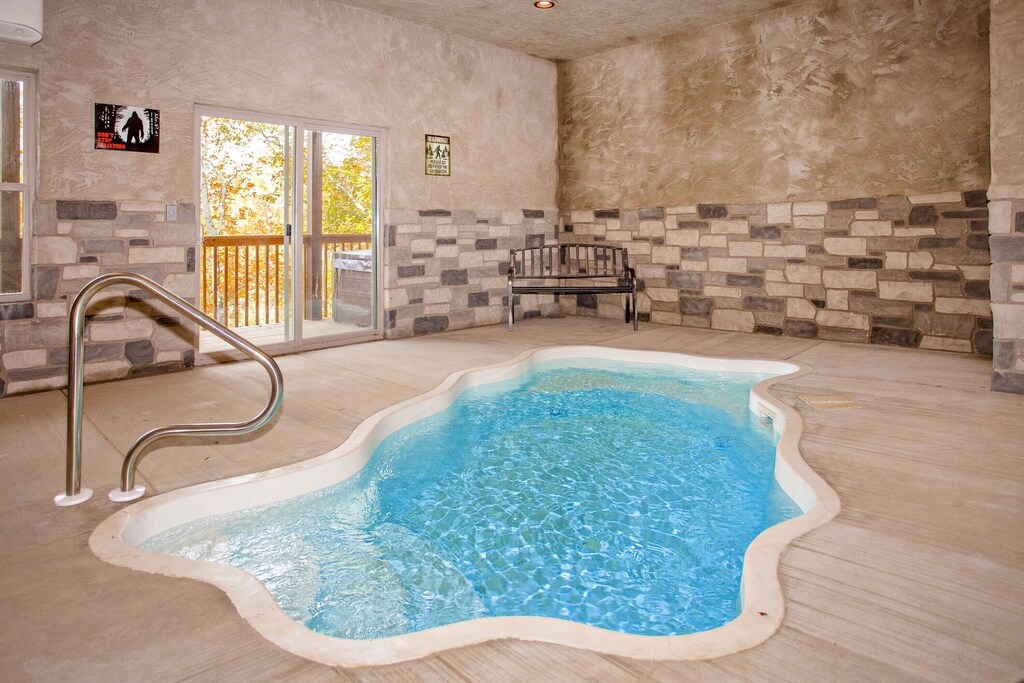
[
  {"x": 439, "y": 155},
  {"x": 127, "y": 128}
]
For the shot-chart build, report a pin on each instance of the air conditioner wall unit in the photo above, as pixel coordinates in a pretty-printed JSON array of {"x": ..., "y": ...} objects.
[{"x": 21, "y": 21}]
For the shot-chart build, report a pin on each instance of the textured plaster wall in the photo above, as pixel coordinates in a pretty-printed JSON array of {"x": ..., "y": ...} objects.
[
  {"x": 102, "y": 211},
  {"x": 819, "y": 101},
  {"x": 306, "y": 58},
  {"x": 1007, "y": 195}
]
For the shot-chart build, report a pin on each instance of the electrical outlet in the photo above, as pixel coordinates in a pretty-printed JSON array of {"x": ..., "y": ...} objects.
[{"x": 172, "y": 212}]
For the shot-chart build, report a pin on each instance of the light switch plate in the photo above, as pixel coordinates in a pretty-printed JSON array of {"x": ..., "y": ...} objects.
[{"x": 172, "y": 212}]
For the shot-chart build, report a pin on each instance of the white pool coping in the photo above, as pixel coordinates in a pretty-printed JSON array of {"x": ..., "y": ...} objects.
[{"x": 116, "y": 539}]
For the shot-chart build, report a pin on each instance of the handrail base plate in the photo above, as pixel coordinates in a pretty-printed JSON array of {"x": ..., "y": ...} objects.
[
  {"x": 63, "y": 500},
  {"x": 119, "y": 496}
]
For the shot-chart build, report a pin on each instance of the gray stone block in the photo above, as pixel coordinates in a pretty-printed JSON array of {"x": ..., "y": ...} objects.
[
  {"x": 970, "y": 213},
  {"x": 766, "y": 232},
  {"x": 924, "y": 214},
  {"x": 977, "y": 289},
  {"x": 135, "y": 219},
  {"x": 482, "y": 245},
  {"x": 860, "y": 263},
  {"x": 769, "y": 329},
  {"x": 975, "y": 198},
  {"x": 938, "y": 243},
  {"x": 746, "y": 209},
  {"x": 606, "y": 213},
  {"x": 735, "y": 280},
  {"x": 28, "y": 374},
  {"x": 801, "y": 328},
  {"x": 983, "y": 342},
  {"x": 44, "y": 282},
  {"x": 17, "y": 311},
  {"x": 93, "y": 352},
  {"x": 892, "y": 321},
  {"x": 139, "y": 352},
  {"x": 434, "y": 213},
  {"x": 1002, "y": 355},
  {"x": 936, "y": 275},
  {"x": 586, "y": 301},
  {"x": 35, "y": 334},
  {"x": 848, "y": 204},
  {"x": 73, "y": 210},
  {"x": 894, "y": 207},
  {"x": 1006, "y": 248},
  {"x": 533, "y": 213},
  {"x": 978, "y": 241},
  {"x": 451, "y": 278},
  {"x": 712, "y": 211},
  {"x": 533, "y": 241},
  {"x": 1009, "y": 382},
  {"x": 1018, "y": 222},
  {"x": 685, "y": 280},
  {"x": 693, "y": 305},
  {"x": 895, "y": 337},
  {"x": 656, "y": 213},
  {"x": 477, "y": 299},
  {"x": 411, "y": 271},
  {"x": 764, "y": 303},
  {"x": 102, "y": 246},
  {"x": 945, "y": 324},
  {"x": 430, "y": 323}
]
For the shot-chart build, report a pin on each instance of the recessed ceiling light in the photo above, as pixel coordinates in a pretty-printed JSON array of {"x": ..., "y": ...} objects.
[{"x": 543, "y": 4}]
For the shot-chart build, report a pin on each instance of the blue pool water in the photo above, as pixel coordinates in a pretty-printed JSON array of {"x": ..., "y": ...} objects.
[{"x": 621, "y": 500}]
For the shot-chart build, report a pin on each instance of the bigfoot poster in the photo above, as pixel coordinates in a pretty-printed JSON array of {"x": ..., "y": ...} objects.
[{"x": 127, "y": 128}]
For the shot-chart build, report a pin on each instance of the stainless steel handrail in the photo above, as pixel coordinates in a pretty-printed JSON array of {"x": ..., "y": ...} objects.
[{"x": 74, "y": 493}]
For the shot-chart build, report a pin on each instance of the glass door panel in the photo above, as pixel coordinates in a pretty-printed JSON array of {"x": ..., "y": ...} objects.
[
  {"x": 339, "y": 268},
  {"x": 246, "y": 176}
]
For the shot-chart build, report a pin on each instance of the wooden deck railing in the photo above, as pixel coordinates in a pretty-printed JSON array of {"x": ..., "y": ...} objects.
[{"x": 243, "y": 276}]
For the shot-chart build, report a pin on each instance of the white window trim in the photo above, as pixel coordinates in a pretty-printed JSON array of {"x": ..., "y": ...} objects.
[{"x": 26, "y": 187}]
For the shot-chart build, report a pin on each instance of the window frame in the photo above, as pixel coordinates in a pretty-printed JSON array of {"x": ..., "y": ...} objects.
[{"x": 28, "y": 175}]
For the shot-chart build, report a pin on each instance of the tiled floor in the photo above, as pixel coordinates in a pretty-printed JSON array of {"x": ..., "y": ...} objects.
[{"x": 920, "y": 577}]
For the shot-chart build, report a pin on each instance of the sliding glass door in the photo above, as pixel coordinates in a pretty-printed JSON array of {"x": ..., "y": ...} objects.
[{"x": 288, "y": 212}]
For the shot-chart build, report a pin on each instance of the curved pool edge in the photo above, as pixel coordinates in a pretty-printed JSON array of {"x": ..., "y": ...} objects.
[{"x": 116, "y": 539}]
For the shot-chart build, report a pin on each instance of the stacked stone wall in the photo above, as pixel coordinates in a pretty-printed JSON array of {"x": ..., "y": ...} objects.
[
  {"x": 446, "y": 270},
  {"x": 905, "y": 270},
  {"x": 1007, "y": 195},
  {"x": 1007, "y": 242},
  {"x": 127, "y": 333}
]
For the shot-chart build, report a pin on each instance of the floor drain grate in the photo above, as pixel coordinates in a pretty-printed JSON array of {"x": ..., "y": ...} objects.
[{"x": 830, "y": 401}]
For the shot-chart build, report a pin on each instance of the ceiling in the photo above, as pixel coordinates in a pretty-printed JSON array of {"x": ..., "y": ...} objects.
[{"x": 573, "y": 28}]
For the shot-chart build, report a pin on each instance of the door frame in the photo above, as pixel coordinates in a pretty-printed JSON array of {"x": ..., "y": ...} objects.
[{"x": 300, "y": 126}]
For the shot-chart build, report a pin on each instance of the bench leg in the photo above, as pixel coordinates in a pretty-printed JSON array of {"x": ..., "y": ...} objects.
[
  {"x": 636, "y": 315},
  {"x": 511, "y": 307}
]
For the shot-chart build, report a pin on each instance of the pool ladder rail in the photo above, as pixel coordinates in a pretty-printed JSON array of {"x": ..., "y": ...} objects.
[{"x": 74, "y": 493}]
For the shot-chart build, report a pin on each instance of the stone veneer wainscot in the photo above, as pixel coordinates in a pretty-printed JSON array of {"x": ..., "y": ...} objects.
[
  {"x": 127, "y": 333},
  {"x": 905, "y": 270},
  {"x": 446, "y": 270}
]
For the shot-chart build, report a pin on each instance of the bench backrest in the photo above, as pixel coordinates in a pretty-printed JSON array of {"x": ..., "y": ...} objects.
[{"x": 569, "y": 261}]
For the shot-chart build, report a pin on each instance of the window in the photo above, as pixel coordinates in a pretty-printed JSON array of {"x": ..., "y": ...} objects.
[{"x": 17, "y": 169}]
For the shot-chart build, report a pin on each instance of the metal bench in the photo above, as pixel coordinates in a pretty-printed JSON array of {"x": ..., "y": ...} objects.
[{"x": 580, "y": 269}]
